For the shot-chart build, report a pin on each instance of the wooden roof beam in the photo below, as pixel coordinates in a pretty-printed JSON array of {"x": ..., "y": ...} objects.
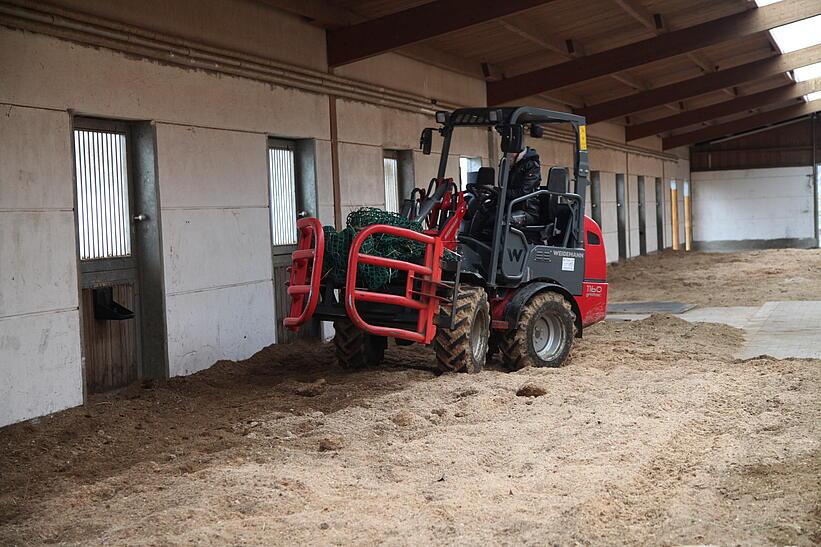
[
  {"x": 655, "y": 23},
  {"x": 403, "y": 28},
  {"x": 568, "y": 49},
  {"x": 635, "y": 10},
  {"x": 699, "y": 85},
  {"x": 646, "y": 51},
  {"x": 744, "y": 124},
  {"x": 777, "y": 95},
  {"x": 532, "y": 33}
]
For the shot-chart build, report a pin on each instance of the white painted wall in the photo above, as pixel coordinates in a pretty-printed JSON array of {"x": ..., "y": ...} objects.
[
  {"x": 40, "y": 366},
  {"x": 633, "y": 247},
  {"x": 754, "y": 204},
  {"x": 609, "y": 216},
  {"x": 216, "y": 245},
  {"x": 650, "y": 228}
]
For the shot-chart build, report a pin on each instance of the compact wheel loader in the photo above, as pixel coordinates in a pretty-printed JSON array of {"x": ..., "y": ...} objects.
[{"x": 484, "y": 283}]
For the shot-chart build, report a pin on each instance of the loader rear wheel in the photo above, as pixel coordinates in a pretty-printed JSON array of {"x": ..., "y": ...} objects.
[
  {"x": 544, "y": 336},
  {"x": 464, "y": 347},
  {"x": 356, "y": 349}
]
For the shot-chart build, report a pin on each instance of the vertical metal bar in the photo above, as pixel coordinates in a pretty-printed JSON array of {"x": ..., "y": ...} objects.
[
  {"x": 271, "y": 170},
  {"x": 103, "y": 198},
  {"x": 108, "y": 185},
  {"x": 278, "y": 188},
  {"x": 89, "y": 197},
  {"x": 78, "y": 170},
  {"x": 121, "y": 235},
  {"x": 78, "y": 183},
  {"x": 113, "y": 206},
  {"x": 94, "y": 195},
  {"x": 497, "y": 228},
  {"x": 89, "y": 181},
  {"x": 125, "y": 222},
  {"x": 99, "y": 192},
  {"x": 447, "y": 133}
]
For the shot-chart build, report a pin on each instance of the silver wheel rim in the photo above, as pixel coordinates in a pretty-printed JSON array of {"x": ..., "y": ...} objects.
[
  {"x": 547, "y": 336},
  {"x": 478, "y": 340}
]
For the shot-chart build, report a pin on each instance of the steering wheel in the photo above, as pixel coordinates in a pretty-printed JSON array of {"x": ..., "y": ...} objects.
[{"x": 486, "y": 195}]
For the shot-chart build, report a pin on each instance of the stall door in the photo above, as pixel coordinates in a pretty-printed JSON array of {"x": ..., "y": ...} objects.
[
  {"x": 621, "y": 215},
  {"x": 642, "y": 218},
  {"x": 109, "y": 287},
  {"x": 292, "y": 193},
  {"x": 659, "y": 215}
]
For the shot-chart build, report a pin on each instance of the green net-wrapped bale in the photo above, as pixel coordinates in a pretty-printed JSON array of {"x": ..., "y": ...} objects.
[{"x": 338, "y": 246}]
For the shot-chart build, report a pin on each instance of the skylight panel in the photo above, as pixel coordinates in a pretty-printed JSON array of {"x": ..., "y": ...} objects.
[
  {"x": 798, "y": 35},
  {"x": 808, "y": 72}
]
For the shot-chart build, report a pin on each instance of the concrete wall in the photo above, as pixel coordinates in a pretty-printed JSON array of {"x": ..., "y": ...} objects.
[
  {"x": 650, "y": 228},
  {"x": 757, "y": 207},
  {"x": 608, "y": 163},
  {"x": 40, "y": 365},
  {"x": 609, "y": 216},
  {"x": 224, "y": 310},
  {"x": 212, "y": 169},
  {"x": 633, "y": 247}
]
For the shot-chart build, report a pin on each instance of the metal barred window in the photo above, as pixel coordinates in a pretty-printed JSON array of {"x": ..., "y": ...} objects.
[
  {"x": 102, "y": 194},
  {"x": 391, "y": 166},
  {"x": 282, "y": 185}
]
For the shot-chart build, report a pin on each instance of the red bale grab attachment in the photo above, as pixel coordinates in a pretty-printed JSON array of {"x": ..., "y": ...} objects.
[
  {"x": 428, "y": 274},
  {"x": 306, "y": 278},
  {"x": 305, "y": 272}
]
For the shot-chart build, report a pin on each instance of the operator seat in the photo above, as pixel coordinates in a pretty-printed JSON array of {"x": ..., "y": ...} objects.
[
  {"x": 556, "y": 217},
  {"x": 486, "y": 176},
  {"x": 477, "y": 224}
]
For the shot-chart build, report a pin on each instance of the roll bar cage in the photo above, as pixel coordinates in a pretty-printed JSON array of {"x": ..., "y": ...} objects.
[{"x": 501, "y": 119}]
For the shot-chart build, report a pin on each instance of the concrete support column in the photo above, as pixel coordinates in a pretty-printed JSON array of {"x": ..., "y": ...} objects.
[
  {"x": 688, "y": 218},
  {"x": 815, "y": 183},
  {"x": 674, "y": 214}
]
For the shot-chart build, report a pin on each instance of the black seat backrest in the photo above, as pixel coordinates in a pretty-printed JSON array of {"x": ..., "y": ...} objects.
[
  {"x": 557, "y": 181},
  {"x": 486, "y": 176}
]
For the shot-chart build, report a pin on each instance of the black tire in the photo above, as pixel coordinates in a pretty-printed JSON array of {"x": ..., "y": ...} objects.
[
  {"x": 355, "y": 349},
  {"x": 464, "y": 347},
  {"x": 544, "y": 336}
]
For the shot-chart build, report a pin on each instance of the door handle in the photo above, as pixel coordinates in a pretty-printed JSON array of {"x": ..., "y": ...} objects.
[{"x": 140, "y": 218}]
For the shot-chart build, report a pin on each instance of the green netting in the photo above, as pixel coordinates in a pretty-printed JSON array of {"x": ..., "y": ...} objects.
[{"x": 338, "y": 244}]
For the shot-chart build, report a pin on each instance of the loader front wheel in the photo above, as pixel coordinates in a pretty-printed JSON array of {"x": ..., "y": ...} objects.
[
  {"x": 464, "y": 348},
  {"x": 356, "y": 349},
  {"x": 544, "y": 335}
]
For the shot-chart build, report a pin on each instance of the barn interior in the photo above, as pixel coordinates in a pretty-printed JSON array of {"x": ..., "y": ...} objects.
[{"x": 155, "y": 155}]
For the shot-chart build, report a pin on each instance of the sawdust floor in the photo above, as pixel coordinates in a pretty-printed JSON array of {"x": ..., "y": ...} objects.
[
  {"x": 653, "y": 434},
  {"x": 712, "y": 279}
]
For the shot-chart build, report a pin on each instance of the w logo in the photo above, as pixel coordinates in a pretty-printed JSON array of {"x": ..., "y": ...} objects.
[{"x": 515, "y": 254}]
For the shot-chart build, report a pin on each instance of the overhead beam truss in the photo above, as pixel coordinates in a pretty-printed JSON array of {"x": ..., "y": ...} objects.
[{"x": 646, "y": 51}]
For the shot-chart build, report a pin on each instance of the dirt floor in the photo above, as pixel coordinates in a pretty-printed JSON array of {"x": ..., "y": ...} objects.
[
  {"x": 652, "y": 434},
  {"x": 712, "y": 279}
]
